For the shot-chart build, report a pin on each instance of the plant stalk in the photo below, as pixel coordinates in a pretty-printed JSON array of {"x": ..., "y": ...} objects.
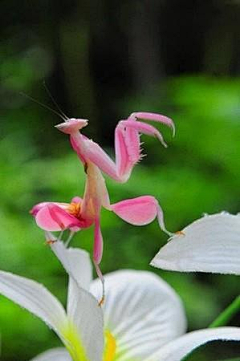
[{"x": 227, "y": 314}]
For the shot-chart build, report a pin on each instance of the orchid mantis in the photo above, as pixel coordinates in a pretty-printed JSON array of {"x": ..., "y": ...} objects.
[{"x": 84, "y": 212}]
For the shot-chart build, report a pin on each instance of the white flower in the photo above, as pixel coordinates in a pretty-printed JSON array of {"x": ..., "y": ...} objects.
[
  {"x": 80, "y": 324},
  {"x": 144, "y": 319},
  {"x": 210, "y": 244}
]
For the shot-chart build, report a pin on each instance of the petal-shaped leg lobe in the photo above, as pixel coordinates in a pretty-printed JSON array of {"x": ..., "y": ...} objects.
[
  {"x": 140, "y": 211},
  {"x": 36, "y": 208},
  {"x": 137, "y": 211},
  {"x": 54, "y": 218}
]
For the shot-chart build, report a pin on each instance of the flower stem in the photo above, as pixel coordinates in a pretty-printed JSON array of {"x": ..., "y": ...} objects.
[{"x": 227, "y": 314}]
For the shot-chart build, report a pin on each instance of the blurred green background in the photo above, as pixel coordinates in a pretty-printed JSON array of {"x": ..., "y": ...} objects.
[{"x": 103, "y": 60}]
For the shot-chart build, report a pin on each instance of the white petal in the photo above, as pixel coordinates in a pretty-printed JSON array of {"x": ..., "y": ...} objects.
[
  {"x": 87, "y": 317},
  {"x": 35, "y": 298},
  {"x": 83, "y": 308},
  {"x": 141, "y": 311},
  {"x": 177, "y": 349},
  {"x": 56, "y": 354},
  {"x": 210, "y": 244},
  {"x": 76, "y": 262}
]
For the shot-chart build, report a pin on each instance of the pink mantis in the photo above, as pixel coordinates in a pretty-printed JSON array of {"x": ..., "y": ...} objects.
[{"x": 84, "y": 212}]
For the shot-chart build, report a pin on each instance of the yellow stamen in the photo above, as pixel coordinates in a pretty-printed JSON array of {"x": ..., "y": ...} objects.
[{"x": 110, "y": 349}]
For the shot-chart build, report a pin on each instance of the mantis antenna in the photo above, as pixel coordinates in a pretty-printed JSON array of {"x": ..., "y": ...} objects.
[
  {"x": 53, "y": 100},
  {"x": 61, "y": 115}
]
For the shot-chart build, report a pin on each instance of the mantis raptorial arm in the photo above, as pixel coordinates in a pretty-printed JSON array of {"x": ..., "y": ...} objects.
[{"x": 127, "y": 143}]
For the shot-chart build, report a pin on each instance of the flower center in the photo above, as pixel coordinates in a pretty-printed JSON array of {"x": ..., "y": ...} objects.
[
  {"x": 74, "y": 209},
  {"x": 110, "y": 348}
]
